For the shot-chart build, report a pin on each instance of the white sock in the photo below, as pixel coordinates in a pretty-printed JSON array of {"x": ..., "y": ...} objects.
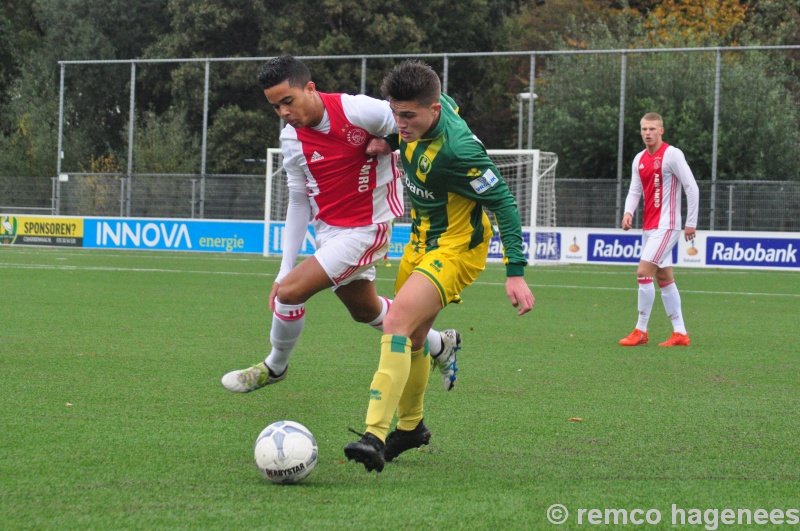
[
  {"x": 377, "y": 323},
  {"x": 647, "y": 294},
  {"x": 287, "y": 325},
  {"x": 435, "y": 344},
  {"x": 672, "y": 304}
]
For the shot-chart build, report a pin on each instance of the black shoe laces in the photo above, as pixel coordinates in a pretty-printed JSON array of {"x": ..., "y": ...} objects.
[{"x": 356, "y": 432}]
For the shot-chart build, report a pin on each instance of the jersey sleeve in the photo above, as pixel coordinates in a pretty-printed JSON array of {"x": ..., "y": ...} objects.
[
  {"x": 477, "y": 178},
  {"x": 371, "y": 114},
  {"x": 292, "y": 152},
  {"x": 298, "y": 210},
  {"x": 680, "y": 168},
  {"x": 635, "y": 190},
  {"x": 298, "y": 213}
]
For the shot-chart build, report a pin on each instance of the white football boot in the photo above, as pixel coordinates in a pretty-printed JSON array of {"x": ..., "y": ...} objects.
[
  {"x": 252, "y": 378},
  {"x": 445, "y": 361}
]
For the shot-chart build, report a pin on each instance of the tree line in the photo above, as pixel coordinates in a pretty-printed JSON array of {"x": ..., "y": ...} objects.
[{"x": 576, "y": 113}]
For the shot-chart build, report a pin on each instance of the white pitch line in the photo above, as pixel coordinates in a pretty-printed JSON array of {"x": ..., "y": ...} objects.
[
  {"x": 129, "y": 269},
  {"x": 235, "y": 273}
]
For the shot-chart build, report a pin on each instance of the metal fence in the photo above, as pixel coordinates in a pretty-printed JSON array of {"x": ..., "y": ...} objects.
[
  {"x": 147, "y": 195},
  {"x": 740, "y": 205},
  {"x": 585, "y": 108}
]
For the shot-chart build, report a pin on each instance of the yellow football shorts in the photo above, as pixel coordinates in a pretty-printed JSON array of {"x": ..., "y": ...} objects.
[{"x": 448, "y": 270}]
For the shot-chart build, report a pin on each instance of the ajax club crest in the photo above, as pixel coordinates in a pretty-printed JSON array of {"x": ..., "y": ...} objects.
[{"x": 356, "y": 137}]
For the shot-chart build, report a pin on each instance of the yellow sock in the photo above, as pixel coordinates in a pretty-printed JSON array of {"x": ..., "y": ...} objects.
[
  {"x": 388, "y": 383},
  {"x": 409, "y": 409}
]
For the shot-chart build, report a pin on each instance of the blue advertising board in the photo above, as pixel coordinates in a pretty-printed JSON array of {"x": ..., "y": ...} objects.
[
  {"x": 400, "y": 236},
  {"x": 618, "y": 248},
  {"x": 752, "y": 252},
  {"x": 548, "y": 246},
  {"x": 746, "y": 250},
  {"x": 276, "y": 230},
  {"x": 174, "y": 235}
]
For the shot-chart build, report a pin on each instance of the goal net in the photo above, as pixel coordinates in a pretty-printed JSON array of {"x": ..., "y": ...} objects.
[{"x": 529, "y": 173}]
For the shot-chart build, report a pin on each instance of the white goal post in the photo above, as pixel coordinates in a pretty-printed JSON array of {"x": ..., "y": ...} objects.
[{"x": 529, "y": 173}]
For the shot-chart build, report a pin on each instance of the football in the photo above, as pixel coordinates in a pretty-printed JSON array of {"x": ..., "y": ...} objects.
[{"x": 286, "y": 452}]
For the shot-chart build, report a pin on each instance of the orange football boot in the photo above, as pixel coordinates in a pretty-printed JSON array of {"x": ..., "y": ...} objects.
[
  {"x": 676, "y": 340},
  {"x": 637, "y": 337}
]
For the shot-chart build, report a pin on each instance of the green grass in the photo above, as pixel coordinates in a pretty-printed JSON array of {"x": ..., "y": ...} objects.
[{"x": 136, "y": 342}]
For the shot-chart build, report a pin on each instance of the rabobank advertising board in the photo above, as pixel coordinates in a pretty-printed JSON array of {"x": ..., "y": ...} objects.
[
  {"x": 174, "y": 235},
  {"x": 752, "y": 252},
  {"x": 617, "y": 248},
  {"x": 746, "y": 250}
]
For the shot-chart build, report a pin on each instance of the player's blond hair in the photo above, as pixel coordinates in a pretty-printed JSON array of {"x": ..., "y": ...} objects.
[{"x": 654, "y": 117}]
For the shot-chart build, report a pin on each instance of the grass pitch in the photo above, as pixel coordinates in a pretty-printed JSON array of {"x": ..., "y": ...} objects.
[{"x": 112, "y": 415}]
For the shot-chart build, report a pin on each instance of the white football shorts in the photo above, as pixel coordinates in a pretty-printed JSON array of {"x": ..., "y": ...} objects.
[
  {"x": 348, "y": 254},
  {"x": 657, "y": 246}
]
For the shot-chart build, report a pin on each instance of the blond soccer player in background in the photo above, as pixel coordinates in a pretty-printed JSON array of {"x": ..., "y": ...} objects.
[{"x": 658, "y": 173}]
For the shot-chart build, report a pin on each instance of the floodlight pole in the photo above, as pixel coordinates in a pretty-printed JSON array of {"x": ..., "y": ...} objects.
[
  {"x": 56, "y": 203},
  {"x": 131, "y": 114},
  {"x": 522, "y": 98},
  {"x": 715, "y": 144},
  {"x": 621, "y": 136},
  {"x": 363, "y": 75},
  {"x": 205, "y": 144}
]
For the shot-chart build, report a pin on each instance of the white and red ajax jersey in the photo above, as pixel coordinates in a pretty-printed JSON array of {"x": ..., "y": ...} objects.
[
  {"x": 659, "y": 178},
  {"x": 345, "y": 187}
]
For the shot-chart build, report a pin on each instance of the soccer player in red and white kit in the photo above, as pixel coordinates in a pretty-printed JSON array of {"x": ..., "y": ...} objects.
[
  {"x": 349, "y": 197},
  {"x": 658, "y": 173}
]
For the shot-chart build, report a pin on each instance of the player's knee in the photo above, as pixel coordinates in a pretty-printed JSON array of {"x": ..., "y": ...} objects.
[
  {"x": 645, "y": 272},
  {"x": 291, "y": 293},
  {"x": 663, "y": 277},
  {"x": 396, "y": 323},
  {"x": 364, "y": 315}
]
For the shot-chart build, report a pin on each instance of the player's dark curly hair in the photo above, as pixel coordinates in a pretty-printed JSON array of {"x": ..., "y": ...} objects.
[
  {"x": 412, "y": 81},
  {"x": 279, "y": 69}
]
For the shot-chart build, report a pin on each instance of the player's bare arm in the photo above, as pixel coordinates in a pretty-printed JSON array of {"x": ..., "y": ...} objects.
[
  {"x": 627, "y": 221},
  {"x": 378, "y": 146},
  {"x": 519, "y": 294},
  {"x": 272, "y": 294},
  {"x": 689, "y": 233}
]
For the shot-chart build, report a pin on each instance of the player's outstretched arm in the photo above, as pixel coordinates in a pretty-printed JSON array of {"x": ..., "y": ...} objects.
[
  {"x": 378, "y": 146},
  {"x": 272, "y": 294},
  {"x": 520, "y": 294}
]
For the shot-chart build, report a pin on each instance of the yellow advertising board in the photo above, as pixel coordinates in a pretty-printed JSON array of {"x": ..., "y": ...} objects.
[{"x": 56, "y": 231}]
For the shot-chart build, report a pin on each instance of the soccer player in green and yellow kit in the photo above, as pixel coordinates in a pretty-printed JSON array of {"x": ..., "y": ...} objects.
[{"x": 449, "y": 179}]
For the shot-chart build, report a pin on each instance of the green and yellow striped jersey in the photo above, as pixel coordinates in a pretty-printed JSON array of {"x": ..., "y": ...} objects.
[{"x": 449, "y": 178}]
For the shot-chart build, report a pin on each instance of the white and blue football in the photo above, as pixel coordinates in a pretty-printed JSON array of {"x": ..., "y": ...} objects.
[{"x": 286, "y": 452}]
